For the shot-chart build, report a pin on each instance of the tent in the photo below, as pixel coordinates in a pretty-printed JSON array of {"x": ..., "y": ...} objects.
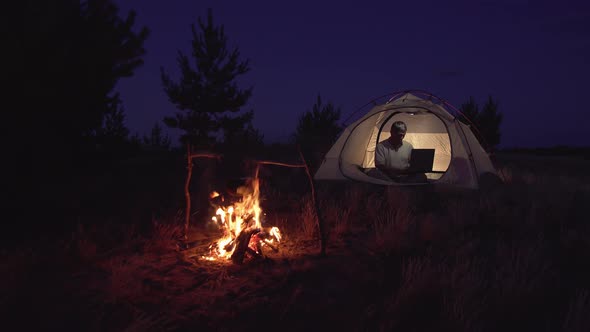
[{"x": 459, "y": 158}]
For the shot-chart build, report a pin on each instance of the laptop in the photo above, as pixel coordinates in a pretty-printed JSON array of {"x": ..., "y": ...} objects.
[{"x": 422, "y": 160}]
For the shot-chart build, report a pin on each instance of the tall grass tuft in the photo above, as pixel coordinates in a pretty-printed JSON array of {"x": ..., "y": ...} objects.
[
  {"x": 164, "y": 236},
  {"x": 307, "y": 218},
  {"x": 465, "y": 297},
  {"x": 353, "y": 199},
  {"x": 420, "y": 294},
  {"x": 338, "y": 218},
  {"x": 393, "y": 219},
  {"x": 394, "y": 229}
]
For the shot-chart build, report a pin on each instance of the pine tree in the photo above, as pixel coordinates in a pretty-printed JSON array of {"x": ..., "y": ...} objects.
[
  {"x": 114, "y": 122},
  {"x": 470, "y": 112},
  {"x": 317, "y": 130},
  {"x": 157, "y": 141},
  {"x": 206, "y": 94},
  {"x": 487, "y": 121},
  {"x": 113, "y": 136},
  {"x": 240, "y": 134}
]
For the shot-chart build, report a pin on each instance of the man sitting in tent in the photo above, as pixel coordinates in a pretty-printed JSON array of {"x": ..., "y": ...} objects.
[{"x": 392, "y": 156}]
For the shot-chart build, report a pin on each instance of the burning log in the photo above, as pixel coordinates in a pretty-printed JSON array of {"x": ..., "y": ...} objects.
[
  {"x": 251, "y": 240},
  {"x": 271, "y": 245},
  {"x": 268, "y": 239},
  {"x": 242, "y": 245}
]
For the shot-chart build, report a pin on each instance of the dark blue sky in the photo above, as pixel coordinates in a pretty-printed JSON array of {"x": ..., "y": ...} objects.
[{"x": 531, "y": 56}]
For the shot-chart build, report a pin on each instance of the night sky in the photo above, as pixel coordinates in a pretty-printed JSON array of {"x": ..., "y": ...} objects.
[{"x": 533, "y": 58}]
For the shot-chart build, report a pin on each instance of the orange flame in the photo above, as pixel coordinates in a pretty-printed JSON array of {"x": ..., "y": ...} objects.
[{"x": 233, "y": 219}]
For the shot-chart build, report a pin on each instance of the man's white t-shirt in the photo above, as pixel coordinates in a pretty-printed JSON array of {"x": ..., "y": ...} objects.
[{"x": 386, "y": 156}]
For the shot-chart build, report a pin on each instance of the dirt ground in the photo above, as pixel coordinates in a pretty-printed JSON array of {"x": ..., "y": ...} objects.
[
  {"x": 510, "y": 259},
  {"x": 155, "y": 288}
]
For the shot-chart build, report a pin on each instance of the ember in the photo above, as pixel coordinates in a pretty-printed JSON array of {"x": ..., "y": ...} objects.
[{"x": 243, "y": 233}]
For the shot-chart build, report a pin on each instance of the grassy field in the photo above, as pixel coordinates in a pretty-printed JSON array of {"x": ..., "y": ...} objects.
[{"x": 515, "y": 258}]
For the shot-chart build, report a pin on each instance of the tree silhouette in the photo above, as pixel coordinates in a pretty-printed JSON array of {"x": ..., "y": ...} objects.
[
  {"x": 239, "y": 134},
  {"x": 317, "y": 130},
  {"x": 487, "y": 121},
  {"x": 69, "y": 57},
  {"x": 113, "y": 136},
  {"x": 157, "y": 141},
  {"x": 470, "y": 111},
  {"x": 114, "y": 121},
  {"x": 73, "y": 54},
  {"x": 207, "y": 95}
]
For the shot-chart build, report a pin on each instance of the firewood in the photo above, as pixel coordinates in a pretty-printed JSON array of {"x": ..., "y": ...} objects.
[
  {"x": 271, "y": 245},
  {"x": 242, "y": 242},
  {"x": 252, "y": 253}
]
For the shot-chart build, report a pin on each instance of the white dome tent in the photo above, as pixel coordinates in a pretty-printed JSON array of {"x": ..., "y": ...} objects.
[{"x": 459, "y": 159}]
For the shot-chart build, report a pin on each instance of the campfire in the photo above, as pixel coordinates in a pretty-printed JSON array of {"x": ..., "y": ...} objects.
[{"x": 243, "y": 233}]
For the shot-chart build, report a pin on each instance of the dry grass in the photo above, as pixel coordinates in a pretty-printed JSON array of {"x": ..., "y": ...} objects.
[
  {"x": 307, "y": 218},
  {"x": 465, "y": 297},
  {"x": 164, "y": 237},
  {"x": 337, "y": 218},
  {"x": 124, "y": 274},
  {"x": 393, "y": 229},
  {"x": 145, "y": 322},
  {"x": 512, "y": 259},
  {"x": 493, "y": 261}
]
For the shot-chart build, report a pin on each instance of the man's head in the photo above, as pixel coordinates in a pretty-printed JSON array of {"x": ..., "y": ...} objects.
[{"x": 398, "y": 132}]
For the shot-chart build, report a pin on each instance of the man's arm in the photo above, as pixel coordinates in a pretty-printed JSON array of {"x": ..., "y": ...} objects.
[{"x": 380, "y": 162}]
